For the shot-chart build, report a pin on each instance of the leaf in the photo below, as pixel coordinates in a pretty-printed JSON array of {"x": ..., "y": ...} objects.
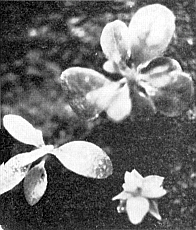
[
  {"x": 35, "y": 183},
  {"x": 142, "y": 105},
  {"x": 78, "y": 82},
  {"x": 22, "y": 130},
  {"x": 111, "y": 67},
  {"x": 13, "y": 172},
  {"x": 152, "y": 187},
  {"x": 158, "y": 65},
  {"x": 114, "y": 41},
  {"x": 137, "y": 208},
  {"x": 154, "y": 209},
  {"x": 172, "y": 93},
  {"x": 120, "y": 106},
  {"x": 122, "y": 196},
  {"x": 84, "y": 158},
  {"x": 113, "y": 99},
  {"x": 133, "y": 181},
  {"x": 151, "y": 29}
]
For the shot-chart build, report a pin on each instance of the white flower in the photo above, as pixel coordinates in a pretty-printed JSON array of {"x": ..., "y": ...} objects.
[{"x": 139, "y": 196}]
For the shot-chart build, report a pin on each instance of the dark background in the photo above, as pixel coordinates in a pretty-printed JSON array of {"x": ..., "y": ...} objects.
[{"x": 38, "y": 41}]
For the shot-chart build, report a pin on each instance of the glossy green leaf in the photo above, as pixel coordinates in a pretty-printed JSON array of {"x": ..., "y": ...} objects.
[
  {"x": 151, "y": 29},
  {"x": 35, "y": 183},
  {"x": 22, "y": 130},
  {"x": 85, "y": 159},
  {"x": 17, "y": 167},
  {"x": 114, "y": 41},
  {"x": 78, "y": 82}
]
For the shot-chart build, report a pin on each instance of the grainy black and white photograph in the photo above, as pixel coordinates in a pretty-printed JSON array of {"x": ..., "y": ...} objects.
[{"x": 98, "y": 115}]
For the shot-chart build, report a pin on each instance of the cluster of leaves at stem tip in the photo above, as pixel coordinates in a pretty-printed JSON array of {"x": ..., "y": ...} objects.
[{"x": 151, "y": 83}]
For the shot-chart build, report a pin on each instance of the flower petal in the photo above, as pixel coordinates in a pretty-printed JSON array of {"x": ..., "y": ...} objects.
[
  {"x": 122, "y": 196},
  {"x": 78, "y": 82},
  {"x": 22, "y": 130},
  {"x": 84, "y": 158},
  {"x": 154, "y": 209},
  {"x": 152, "y": 187},
  {"x": 114, "y": 41},
  {"x": 133, "y": 181},
  {"x": 151, "y": 29},
  {"x": 137, "y": 208},
  {"x": 35, "y": 183}
]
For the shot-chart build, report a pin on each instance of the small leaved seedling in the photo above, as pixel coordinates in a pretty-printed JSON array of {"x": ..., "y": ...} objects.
[
  {"x": 81, "y": 157},
  {"x": 151, "y": 83},
  {"x": 139, "y": 196}
]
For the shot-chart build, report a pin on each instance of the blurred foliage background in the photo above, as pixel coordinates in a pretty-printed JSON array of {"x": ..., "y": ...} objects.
[{"x": 41, "y": 39}]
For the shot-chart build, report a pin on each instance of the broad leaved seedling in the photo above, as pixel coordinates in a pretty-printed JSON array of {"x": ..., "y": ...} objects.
[
  {"x": 152, "y": 83},
  {"x": 81, "y": 157}
]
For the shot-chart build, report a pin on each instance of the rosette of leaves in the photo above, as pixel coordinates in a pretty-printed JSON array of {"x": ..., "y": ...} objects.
[
  {"x": 150, "y": 83},
  {"x": 81, "y": 157}
]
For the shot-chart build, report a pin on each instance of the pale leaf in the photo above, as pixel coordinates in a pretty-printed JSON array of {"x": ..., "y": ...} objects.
[
  {"x": 110, "y": 67},
  {"x": 157, "y": 66},
  {"x": 114, "y": 41},
  {"x": 35, "y": 183},
  {"x": 170, "y": 89},
  {"x": 133, "y": 181},
  {"x": 174, "y": 97},
  {"x": 122, "y": 196},
  {"x": 84, "y": 158},
  {"x": 16, "y": 169},
  {"x": 152, "y": 187},
  {"x": 151, "y": 29},
  {"x": 78, "y": 82},
  {"x": 120, "y": 106},
  {"x": 137, "y": 208},
  {"x": 22, "y": 130}
]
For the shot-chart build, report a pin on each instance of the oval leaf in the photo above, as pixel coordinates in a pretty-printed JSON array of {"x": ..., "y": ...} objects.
[
  {"x": 85, "y": 158},
  {"x": 120, "y": 106},
  {"x": 78, "y": 82},
  {"x": 158, "y": 65},
  {"x": 151, "y": 29},
  {"x": 114, "y": 41},
  {"x": 22, "y": 130},
  {"x": 13, "y": 172},
  {"x": 142, "y": 105},
  {"x": 35, "y": 183},
  {"x": 111, "y": 67},
  {"x": 137, "y": 208},
  {"x": 171, "y": 92}
]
